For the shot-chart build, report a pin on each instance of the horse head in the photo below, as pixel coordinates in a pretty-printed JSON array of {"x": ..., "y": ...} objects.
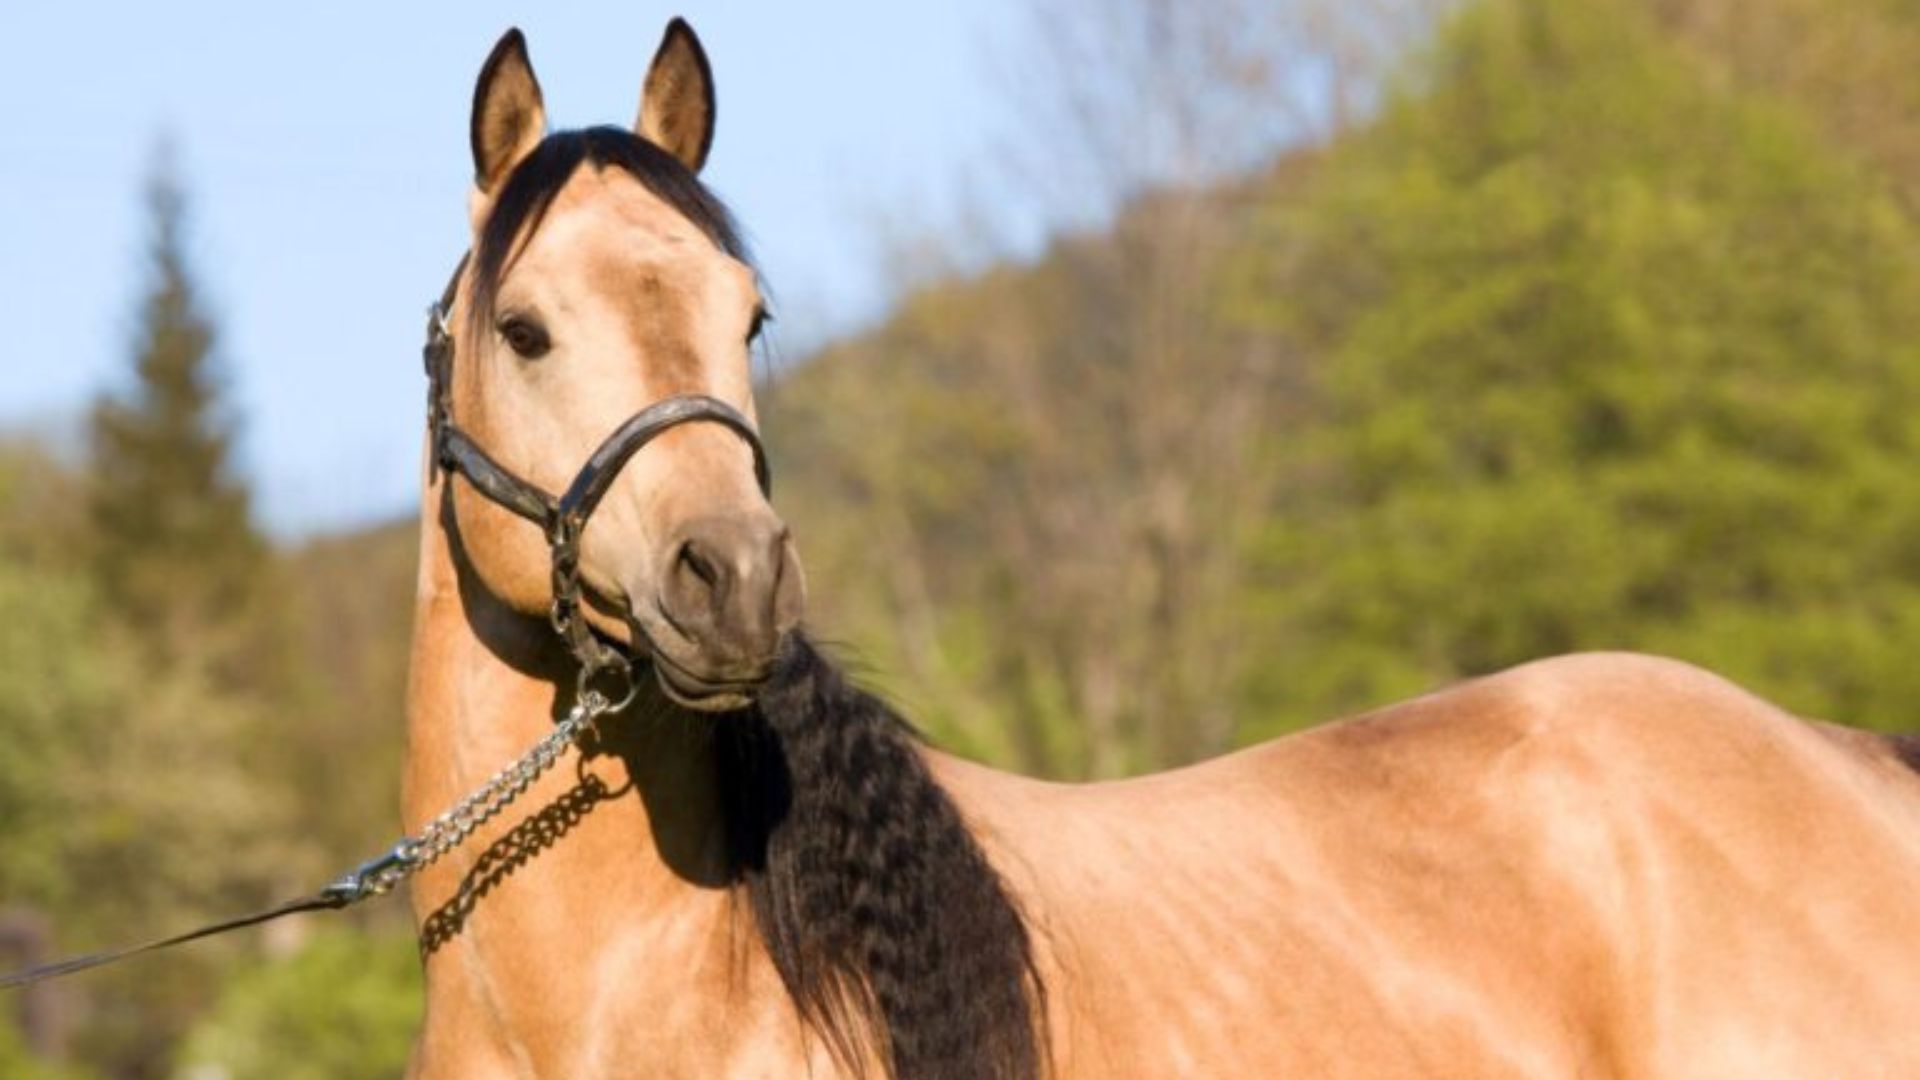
[{"x": 605, "y": 281}]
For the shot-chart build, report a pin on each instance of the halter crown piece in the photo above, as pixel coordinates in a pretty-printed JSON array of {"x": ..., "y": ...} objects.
[{"x": 562, "y": 519}]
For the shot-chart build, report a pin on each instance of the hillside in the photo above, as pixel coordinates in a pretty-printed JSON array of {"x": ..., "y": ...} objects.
[{"x": 1601, "y": 335}]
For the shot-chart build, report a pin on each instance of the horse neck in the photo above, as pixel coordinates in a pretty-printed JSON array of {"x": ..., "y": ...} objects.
[{"x": 641, "y": 820}]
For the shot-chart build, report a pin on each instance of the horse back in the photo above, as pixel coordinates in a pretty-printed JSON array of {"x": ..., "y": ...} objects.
[
  {"x": 1907, "y": 748},
  {"x": 1600, "y": 865}
]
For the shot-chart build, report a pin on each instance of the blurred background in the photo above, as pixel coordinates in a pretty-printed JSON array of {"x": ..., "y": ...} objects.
[{"x": 1150, "y": 377}]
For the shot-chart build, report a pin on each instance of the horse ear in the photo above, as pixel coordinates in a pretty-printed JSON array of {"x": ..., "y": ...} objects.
[
  {"x": 676, "y": 106},
  {"x": 509, "y": 119}
]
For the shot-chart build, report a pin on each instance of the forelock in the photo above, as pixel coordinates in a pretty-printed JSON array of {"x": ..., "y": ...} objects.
[{"x": 530, "y": 190}]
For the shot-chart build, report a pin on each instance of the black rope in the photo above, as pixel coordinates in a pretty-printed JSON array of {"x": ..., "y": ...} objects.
[{"x": 328, "y": 900}]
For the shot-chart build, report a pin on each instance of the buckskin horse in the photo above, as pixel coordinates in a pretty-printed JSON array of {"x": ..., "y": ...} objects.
[{"x": 1593, "y": 866}]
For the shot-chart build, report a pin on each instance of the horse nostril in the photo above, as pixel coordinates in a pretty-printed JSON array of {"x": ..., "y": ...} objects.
[
  {"x": 730, "y": 593},
  {"x": 701, "y": 564},
  {"x": 698, "y": 586}
]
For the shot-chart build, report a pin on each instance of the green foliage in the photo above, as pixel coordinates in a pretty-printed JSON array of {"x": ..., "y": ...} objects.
[
  {"x": 345, "y": 1007},
  {"x": 136, "y": 796},
  {"x": 1613, "y": 357},
  {"x": 908, "y": 575},
  {"x": 1848, "y": 63},
  {"x": 348, "y": 609},
  {"x": 132, "y": 808},
  {"x": 1603, "y": 333},
  {"x": 19, "y": 1063},
  {"x": 146, "y": 673},
  {"x": 1007, "y": 503}
]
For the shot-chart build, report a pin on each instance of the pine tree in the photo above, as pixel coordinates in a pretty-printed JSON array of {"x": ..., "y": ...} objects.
[
  {"x": 195, "y": 758},
  {"x": 177, "y": 554}
]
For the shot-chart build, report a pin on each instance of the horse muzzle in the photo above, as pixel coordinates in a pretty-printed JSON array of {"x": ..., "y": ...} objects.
[{"x": 730, "y": 589}]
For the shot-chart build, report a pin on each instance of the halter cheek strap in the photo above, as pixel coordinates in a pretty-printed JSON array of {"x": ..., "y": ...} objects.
[{"x": 564, "y": 518}]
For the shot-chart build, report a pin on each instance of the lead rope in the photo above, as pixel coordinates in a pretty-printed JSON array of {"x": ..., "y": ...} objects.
[{"x": 378, "y": 875}]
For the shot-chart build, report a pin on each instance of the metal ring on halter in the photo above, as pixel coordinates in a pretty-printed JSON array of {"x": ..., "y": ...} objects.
[{"x": 583, "y": 686}]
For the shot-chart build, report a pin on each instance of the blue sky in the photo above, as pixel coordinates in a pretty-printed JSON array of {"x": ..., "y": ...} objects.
[{"x": 324, "y": 149}]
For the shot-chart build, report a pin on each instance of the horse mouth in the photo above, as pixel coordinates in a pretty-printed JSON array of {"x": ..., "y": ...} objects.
[
  {"x": 681, "y": 684},
  {"x": 693, "y": 691}
]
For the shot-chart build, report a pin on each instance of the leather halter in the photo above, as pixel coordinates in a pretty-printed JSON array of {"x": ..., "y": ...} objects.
[{"x": 563, "y": 518}]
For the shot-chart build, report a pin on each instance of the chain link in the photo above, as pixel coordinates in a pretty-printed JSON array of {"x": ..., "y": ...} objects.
[{"x": 448, "y": 831}]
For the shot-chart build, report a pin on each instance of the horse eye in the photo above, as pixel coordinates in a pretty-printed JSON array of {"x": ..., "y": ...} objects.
[
  {"x": 761, "y": 317},
  {"x": 524, "y": 336}
]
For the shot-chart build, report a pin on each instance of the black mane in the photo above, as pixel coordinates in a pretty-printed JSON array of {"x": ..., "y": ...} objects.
[
  {"x": 887, "y": 925},
  {"x": 530, "y": 190}
]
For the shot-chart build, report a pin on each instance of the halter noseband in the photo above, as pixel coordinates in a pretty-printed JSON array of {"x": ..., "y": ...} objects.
[{"x": 562, "y": 519}]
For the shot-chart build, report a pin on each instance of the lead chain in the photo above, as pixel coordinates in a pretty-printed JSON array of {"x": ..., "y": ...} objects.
[{"x": 446, "y": 832}]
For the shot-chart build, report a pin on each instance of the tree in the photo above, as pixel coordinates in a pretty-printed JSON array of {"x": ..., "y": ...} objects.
[
  {"x": 1849, "y": 63},
  {"x": 1062, "y": 475},
  {"x": 157, "y": 791},
  {"x": 1050, "y": 544},
  {"x": 1607, "y": 354},
  {"x": 176, "y": 550},
  {"x": 132, "y": 801}
]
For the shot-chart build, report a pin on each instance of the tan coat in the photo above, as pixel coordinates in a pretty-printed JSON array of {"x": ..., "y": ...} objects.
[{"x": 1596, "y": 866}]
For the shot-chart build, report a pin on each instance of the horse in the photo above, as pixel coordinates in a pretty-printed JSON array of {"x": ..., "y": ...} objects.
[{"x": 1600, "y": 865}]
